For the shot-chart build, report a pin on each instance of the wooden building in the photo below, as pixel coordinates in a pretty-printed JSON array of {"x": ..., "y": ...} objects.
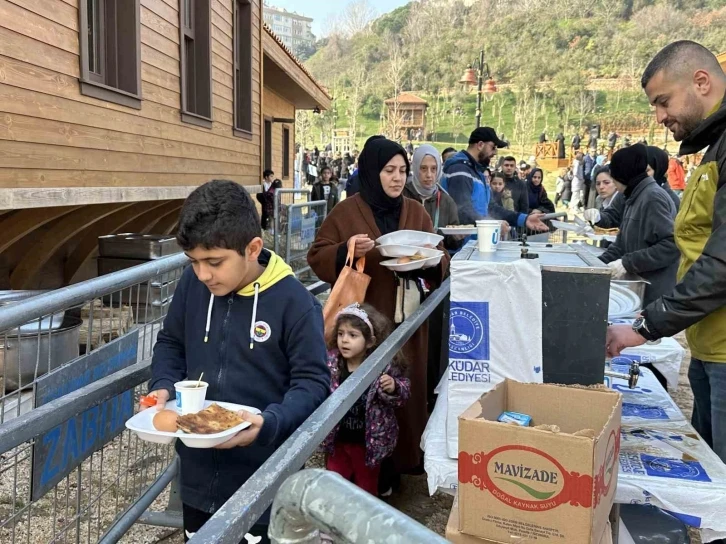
[
  {"x": 113, "y": 111},
  {"x": 407, "y": 113}
]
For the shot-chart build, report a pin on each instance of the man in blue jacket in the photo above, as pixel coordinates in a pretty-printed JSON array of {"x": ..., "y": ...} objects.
[
  {"x": 464, "y": 180},
  {"x": 240, "y": 316}
]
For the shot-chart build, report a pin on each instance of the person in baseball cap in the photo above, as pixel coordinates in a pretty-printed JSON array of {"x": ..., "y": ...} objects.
[{"x": 464, "y": 180}]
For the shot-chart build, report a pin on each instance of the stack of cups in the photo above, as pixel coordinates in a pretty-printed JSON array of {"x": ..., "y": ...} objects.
[{"x": 488, "y": 231}]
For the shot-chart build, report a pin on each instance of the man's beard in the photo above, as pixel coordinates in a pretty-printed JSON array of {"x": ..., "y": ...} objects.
[
  {"x": 689, "y": 120},
  {"x": 483, "y": 160}
]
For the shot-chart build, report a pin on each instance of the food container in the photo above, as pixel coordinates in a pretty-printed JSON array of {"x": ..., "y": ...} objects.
[
  {"x": 190, "y": 396},
  {"x": 458, "y": 231},
  {"x": 107, "y": 265},
  {"x": 142, "y": 425},
  {"x": 407, "y": 251},
  {"x": 429, "y": 262},
  {"x": 410, "y": 238},
  {"x": 488, "y": 233},
  {"x": 575, "y": 295},
  {"x": 634, "y": 283},
  {"x": 137, "y": 246},
  {"x": 20, "y": 353}
]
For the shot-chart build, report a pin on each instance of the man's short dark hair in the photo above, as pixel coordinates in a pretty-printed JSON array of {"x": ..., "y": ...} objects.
[
  {"x": 218, "y": 214},
  {"x": 509, "y": 158},
  {"x": 268, "y": 172},
  {"x": 683, "y": 55},
  {"x": 448, "y": 150}
]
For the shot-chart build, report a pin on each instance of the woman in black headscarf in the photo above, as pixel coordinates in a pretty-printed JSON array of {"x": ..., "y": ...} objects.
[
  {"x": 645, "y": 244},
  {"x": 379, "y": 209},
  {"x": 658, "y": 170},
  {"x": 537, "y": 194}
]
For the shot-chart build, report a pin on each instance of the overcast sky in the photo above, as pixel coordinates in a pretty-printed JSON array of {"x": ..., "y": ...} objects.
[{"x": 319, "y": 10}]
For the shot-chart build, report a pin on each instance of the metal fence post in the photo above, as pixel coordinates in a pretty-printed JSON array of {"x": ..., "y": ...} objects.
[{"x": 303, "y": 505}]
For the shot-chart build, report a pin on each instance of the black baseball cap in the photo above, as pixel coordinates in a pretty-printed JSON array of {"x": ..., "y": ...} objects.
[{"x": 486, "y": 134}]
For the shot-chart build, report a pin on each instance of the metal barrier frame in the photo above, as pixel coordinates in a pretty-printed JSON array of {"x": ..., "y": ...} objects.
[
  {"x": 277, "y": 216},
  {"x": 251, "y": 500},
  {"x": 289, "y": 256},
  {"x": 17, "y": 314},
  {"x": 28, "y": 426}
]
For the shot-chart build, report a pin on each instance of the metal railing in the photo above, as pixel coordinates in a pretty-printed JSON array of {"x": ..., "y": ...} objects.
[
  {"x": 304, "y": 222},
  {"x": 303, "y": 507},
  {"x": 68, "y": 467},
  {"x": 248, "y": 504}
]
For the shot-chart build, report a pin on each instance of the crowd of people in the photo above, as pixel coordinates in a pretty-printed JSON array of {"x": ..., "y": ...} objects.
[
  {"x": 287, "y": 365},
  {"x": 577, "y": 185}
]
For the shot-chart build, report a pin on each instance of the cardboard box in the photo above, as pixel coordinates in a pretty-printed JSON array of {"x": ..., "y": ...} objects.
[
  {"x": 457, "y": 537},
  {"x": 517, "y": 483}
]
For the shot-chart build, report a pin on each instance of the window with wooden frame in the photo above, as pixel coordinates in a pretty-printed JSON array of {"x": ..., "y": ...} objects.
[
  {"x": 110, "y": 35},
  {"x": 243, "y": 68},
  {"x": 285, "y": 152},
  {"x": 195, "y": 38}
]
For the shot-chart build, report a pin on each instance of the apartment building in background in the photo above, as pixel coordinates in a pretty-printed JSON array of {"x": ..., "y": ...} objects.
[{"x": 293, "y": 29}]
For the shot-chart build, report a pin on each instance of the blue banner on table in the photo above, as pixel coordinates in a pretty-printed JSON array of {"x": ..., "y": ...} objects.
[{"x": 60, "y": 450}]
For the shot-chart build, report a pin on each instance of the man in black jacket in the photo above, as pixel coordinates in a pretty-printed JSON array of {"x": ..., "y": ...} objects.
[
  {"x": 516, "y": 186},
  {"x": 687, "y": 87}
]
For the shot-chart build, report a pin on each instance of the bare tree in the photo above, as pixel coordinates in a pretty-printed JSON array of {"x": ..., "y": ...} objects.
[
  {"x": 303, "y": 128},
  {"x": 359, "y": 80},
  {"x": 394, "y": 77},
  {"x": 356, "y": 17}
]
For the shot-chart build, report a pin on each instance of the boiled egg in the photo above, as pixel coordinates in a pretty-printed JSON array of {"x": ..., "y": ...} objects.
[{"x": 165, "y": 421}]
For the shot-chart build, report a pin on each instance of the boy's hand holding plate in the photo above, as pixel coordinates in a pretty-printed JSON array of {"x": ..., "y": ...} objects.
[{"x": 247, "y": 436}]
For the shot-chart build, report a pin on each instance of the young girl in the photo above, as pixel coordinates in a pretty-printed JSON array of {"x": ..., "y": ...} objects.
[
  {"x": 368, "y": 433},
  {"x": 564, "y": 188},
  {"x": 500, "y": 195}
]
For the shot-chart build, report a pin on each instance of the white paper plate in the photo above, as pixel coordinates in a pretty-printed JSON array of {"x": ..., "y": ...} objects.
[
  {"x": 566, "y": 226},
  {"x": 456, "y": 232},
  {"x": 409, "y": 238},
  {"x": 142, "y": 425},
  {"x": 415, "y": 265},
  {"x": 407, "y": 251},
  {"x": 600, "y": 237}
]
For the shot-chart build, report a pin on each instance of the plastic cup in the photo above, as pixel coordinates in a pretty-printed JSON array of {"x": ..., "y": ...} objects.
[
  {"x": 488, "y": 231},
  {"x": 190, "y": 398}
]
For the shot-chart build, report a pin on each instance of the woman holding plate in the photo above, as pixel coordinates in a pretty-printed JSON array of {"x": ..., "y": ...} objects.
[{"x": 380, "y": 208}]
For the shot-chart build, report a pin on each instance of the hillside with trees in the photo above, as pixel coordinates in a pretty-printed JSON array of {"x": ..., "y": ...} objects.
[{"x": 558, "y": 64}]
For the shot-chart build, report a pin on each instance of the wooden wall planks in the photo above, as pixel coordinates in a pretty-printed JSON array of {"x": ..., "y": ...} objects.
[{"x": 52, "y": 136}]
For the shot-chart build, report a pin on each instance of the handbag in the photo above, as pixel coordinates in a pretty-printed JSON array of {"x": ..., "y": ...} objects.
[
  {"x": 350, "y": 287},
  {"x": 410, "y": 294}
]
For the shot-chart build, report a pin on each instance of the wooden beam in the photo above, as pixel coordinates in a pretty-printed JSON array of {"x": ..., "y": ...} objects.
[
  {"x": 163, "y": 222},
  {"x": 15, "y": 199},
  {"x": 138, "y": 225},
  {"x": 37, "y": 198},
  {"x": 23, "y": 222},
  {"x": 171, "y": 230},
  {"x": 44, "y": 249},
  {"x": 111, "y": 224}
]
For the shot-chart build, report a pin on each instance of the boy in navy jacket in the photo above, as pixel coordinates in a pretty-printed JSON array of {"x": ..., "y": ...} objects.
[{"x": 240, "y": 316}]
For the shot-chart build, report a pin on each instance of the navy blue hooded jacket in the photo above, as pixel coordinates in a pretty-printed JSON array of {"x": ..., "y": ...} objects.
[
  {"x": 283, "y": 373},
  {"x": 464, "y": 180}
]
